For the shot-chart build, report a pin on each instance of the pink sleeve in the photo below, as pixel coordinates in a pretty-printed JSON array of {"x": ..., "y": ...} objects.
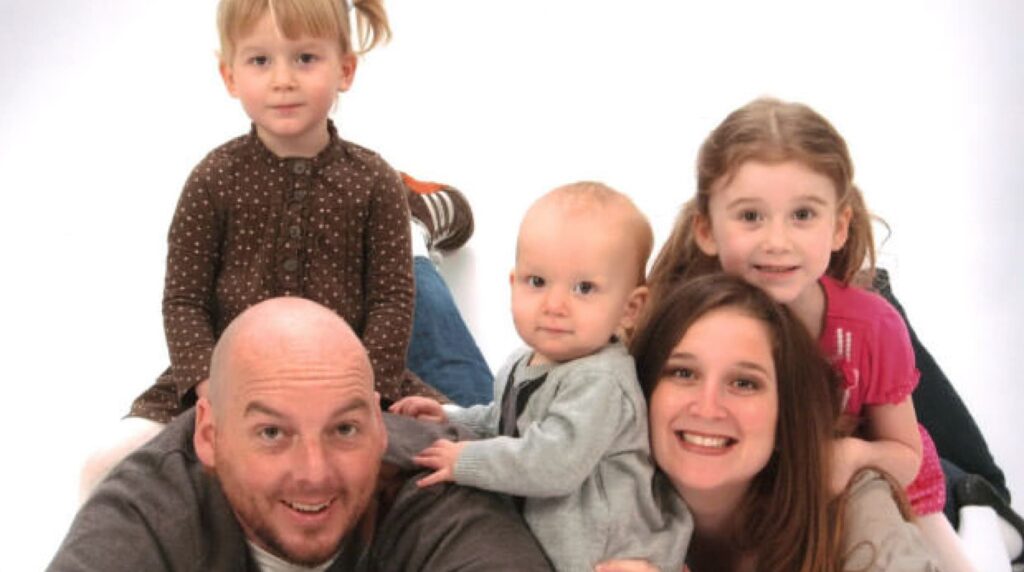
[{"x": 891, "y": 370}]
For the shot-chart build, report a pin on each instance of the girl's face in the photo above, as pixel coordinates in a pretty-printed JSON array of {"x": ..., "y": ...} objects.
[
  {"x": 714, "y": 408},
  {"x": 775, "y": 225}
]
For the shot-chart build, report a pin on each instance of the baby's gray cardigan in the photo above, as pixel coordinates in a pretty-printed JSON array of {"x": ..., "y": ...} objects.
[{"x": 582, "y": 462}]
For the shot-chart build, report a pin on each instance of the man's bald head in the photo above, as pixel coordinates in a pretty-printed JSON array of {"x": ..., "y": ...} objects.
[
  {"x": 292, "y": 428},
  {"x": 282, "y": 330}
]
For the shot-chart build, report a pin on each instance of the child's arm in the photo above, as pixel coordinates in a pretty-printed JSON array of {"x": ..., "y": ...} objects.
[
  {"x": 892, "y": 443},
  {"x": 193, "y": 256},
  {"x": 388, "y": 283},
  {"x": 556, "y": 453},
  {"x": 417, "y": 407}
]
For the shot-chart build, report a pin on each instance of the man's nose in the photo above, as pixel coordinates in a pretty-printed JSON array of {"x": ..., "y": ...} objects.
[{"x": 310, "y": 461}]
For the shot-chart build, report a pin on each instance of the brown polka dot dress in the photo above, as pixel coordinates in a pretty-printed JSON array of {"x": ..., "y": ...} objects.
[{"x": 250, "y": 226}]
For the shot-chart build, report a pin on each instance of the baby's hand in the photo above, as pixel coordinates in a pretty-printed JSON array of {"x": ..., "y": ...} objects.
[
  {"x": 625, "y": 566},
  {"x": 846, "y": 461},
  {"x": 422, "y": 408},
  {"x": 441, "y": 456}
]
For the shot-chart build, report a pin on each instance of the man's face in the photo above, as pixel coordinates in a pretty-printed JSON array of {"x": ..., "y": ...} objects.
[{"x": 296, "y": 441}]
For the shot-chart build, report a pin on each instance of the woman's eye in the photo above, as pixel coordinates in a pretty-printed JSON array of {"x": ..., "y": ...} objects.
[
  {"x": 584, "y": 287},
  {"x": 681, "y": 373},
  {"x": 535, "y": 281},
  {"x": 746, "y": 385}
]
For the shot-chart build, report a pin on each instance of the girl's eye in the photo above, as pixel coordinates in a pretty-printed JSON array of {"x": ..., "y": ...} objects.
[
  {"x": 750, "y": 216},
  {"x": 307, "y": 58},
  {"x": 535, "y": 281},
  {"x": 803, "y": 214},
  {"x": 585, "y": 287}
]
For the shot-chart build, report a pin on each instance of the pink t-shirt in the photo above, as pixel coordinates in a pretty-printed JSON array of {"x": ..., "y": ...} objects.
[{"x": 868, "y": 343}]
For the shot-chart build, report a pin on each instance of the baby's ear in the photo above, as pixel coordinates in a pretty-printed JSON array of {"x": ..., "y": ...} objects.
[
  {"x": 634, "y": 306},
  {"x": 227, "y": 73}
]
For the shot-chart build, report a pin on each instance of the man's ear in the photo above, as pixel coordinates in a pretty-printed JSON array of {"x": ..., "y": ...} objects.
[
  {"x": 227, "y": 73},
  {"x": 703, "y": 236},
  {"x": 842, "y": 228},
  {"x": 204, "y": 439},
  {"x": 634, "y": 306},
  {"x": 380, "y": 423},
  {"x": 348, "y": 71}
]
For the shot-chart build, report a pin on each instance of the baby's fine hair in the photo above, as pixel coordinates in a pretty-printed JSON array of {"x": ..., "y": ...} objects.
[
  {"x": 771, "y": 131},
  {"x": 316, "y": 18},
  {"x": 584, "y": 195}
]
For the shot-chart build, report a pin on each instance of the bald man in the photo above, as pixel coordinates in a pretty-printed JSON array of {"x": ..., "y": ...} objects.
[{"x": 280, "y": 468}]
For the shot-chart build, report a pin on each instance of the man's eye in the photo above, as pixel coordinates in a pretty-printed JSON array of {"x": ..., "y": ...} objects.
[
  {"x": 347, "y": 430},
  {"x": 535, "y": 281},
  {"x": 584, "y": 287},
  {"x": 307, "y": 58},
  {"x": 270, "y": 433}
]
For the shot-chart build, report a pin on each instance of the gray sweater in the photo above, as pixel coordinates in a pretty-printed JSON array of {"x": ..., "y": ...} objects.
[{"x": 582, "y": 462}]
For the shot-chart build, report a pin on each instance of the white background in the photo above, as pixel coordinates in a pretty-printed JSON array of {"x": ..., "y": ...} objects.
[{"x": 107, "y": 105}]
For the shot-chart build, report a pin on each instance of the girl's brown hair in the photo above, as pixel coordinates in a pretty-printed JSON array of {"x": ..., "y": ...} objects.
[
  {"x": 316, "y": 18},
  {"x": 771, "y": 131},
  {"x": 785, "y": 518}
]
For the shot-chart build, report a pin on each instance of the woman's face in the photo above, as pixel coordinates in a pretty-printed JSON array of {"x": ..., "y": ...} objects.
[{"x": 713, "y": 410}]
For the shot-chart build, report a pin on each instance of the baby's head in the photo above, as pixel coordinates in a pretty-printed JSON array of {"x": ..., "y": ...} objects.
[
  {"x": 324, "y": 19},
  {"x": 579, "y": 275}
]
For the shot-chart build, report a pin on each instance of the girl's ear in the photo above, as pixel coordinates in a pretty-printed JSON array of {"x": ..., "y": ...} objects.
[
  {"x": 842, "y": 231},
  {"x": 348, "y": 71},
  {"x": 702, "y": 235},
  {"x": 228, "y": 75},
  {"x": 634, "y": 306}
]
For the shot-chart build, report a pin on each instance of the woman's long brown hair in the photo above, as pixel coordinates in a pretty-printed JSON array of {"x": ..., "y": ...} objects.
[{"x": 785, "y": 518}]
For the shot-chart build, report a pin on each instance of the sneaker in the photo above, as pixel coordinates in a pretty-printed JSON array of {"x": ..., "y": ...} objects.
[{"x": 442, "y": 211}]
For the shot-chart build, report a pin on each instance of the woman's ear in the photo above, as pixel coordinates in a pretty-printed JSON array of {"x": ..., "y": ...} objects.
[
  {"x": 703, "y": 236},
  {"x": 842, "y": 231},
  {"x": 634, "y": 306}
]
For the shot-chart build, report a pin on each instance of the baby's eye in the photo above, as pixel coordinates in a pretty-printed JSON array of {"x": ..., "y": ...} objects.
[
  {"x": 803, "y": 215},
  {"x": 259, "y": 60},
  {"x": 585, "y": 287},
  {"x": 535, "y": 281},
  {"x": 307, "y": 58},
  {"x": 750, "y": 216}
]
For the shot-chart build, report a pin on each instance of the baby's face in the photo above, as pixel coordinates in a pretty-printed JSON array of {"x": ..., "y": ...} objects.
[{"x": 573, "y": 284}]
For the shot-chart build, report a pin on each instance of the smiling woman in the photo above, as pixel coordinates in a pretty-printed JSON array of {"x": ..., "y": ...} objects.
[{"x": 743, "y": 410}]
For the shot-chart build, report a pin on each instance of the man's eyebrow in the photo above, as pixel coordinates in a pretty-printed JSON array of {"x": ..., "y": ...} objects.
[
  {"x": 257, "y": 407},
  {"x": 355, "y": 404}
]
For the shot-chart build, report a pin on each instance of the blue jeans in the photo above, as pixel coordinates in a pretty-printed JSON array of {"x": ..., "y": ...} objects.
[{"x": 442, "y": 351}]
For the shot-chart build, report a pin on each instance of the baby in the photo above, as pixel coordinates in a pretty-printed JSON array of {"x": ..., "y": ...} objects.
[{"x": 567, "y": 434}]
